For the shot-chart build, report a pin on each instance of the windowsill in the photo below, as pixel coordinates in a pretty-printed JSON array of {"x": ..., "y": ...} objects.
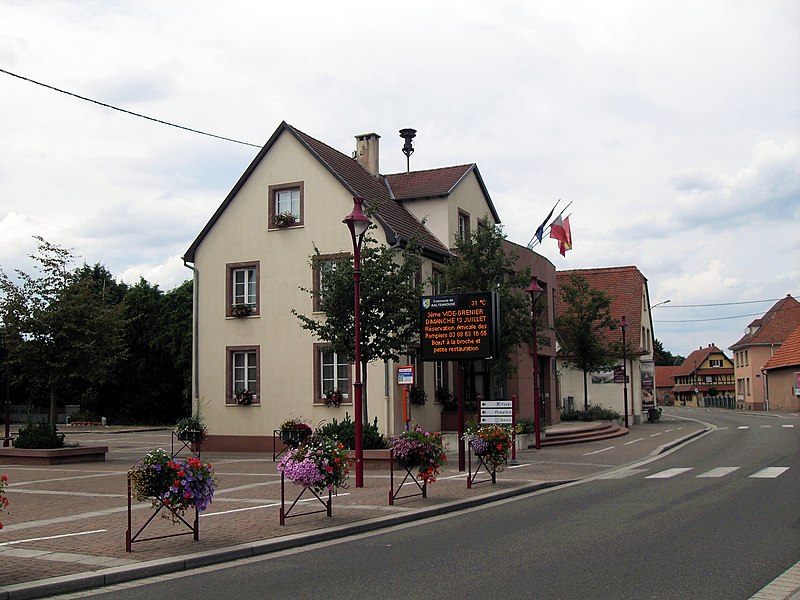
[
  {"x": 232, "y": 318},
  {"x": 323, "y": 405},
  {"x": 237, "y": 405},
  {"x": 297, "y": 226}
]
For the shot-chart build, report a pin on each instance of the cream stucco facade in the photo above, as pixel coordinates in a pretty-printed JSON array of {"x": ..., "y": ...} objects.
[{"x": 282, "y": 357}]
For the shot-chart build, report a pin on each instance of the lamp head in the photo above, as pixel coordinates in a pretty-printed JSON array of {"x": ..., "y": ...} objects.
[
  {"x": 534, "y": 289},
  {"x": 357, "y": 221},
  {"x": 623, "y": 322}
]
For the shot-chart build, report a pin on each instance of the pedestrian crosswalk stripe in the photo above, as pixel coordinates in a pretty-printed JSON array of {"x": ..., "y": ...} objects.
[
  {"x": 718, "y": 472},
  {"x": 621, "y": 474},
  {"x": 669, "y": 473},
  {"x": 770, "y": 472}
]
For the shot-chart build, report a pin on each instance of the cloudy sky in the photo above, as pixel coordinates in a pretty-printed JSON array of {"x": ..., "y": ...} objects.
[{"x": 673, "y": 127}]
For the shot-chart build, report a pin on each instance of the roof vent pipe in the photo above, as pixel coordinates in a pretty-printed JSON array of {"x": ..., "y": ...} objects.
[{"x": 408, "y": 148}]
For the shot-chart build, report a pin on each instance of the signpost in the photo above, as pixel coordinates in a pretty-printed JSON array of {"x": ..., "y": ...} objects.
[
  {"x": 405, "y": 377},
  {"x": 496, "y": 412}
]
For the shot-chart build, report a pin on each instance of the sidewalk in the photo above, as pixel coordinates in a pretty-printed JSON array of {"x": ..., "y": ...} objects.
[{"x": 65, "y": 528}]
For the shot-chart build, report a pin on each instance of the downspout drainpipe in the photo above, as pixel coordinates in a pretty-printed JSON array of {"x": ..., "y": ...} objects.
[{"x": 195, "y": 331}]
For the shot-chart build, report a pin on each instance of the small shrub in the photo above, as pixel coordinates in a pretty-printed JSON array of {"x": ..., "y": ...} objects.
[
  {"x": 38, "y": 436},
  {"x": 596, "y": 412},
  {"x": 345, "y": 432},
  {"x": 84, "y": 416}
]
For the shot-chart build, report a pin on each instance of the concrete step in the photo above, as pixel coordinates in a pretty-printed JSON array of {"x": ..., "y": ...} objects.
[{"x": 590, "y": 433}]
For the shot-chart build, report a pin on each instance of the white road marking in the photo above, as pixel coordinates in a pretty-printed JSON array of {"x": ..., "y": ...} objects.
[
  {"x": 721, "y": 428},
  {"x": 633, "y": 441},
  {"x": 770, "y": 472},
  {"x": 655, "y": 434},
  {"x": 53, "y": 537},
  {"x": 622, "y": 474},
  {"x": 669, "y": 473},
  {"x": 787, "y": 425},
  {"x": 743, "y": 427},
  {"x": 599, "y": 451},
  {"x": 765, "y": 426},
  {"x": 718, "y": 472}
]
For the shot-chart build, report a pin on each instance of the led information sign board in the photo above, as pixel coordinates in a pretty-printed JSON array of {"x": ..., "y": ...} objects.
[{"x": 458, "y": 326}]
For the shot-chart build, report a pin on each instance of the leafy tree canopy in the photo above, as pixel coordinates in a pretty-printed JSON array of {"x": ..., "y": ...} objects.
[{"x": 480, "y": 264}]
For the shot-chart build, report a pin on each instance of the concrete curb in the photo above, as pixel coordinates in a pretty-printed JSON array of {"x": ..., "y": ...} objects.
[{"x": 114, "y": 575}]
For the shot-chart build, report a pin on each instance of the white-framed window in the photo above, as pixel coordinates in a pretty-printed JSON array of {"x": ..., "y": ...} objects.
[
  {"x": 463, "y": 224},
  {"x": 323, "y": 264},
  {"x": 243, "y": 372},
  {"x": 241, "y": 288},
  {"x": 286, "y": 199},
  {"x": 244, "y": 286},
  {"x": 331, "y": 372},
  {"x": 440, "y": 375},
  {"x": 715, "y": 362}
]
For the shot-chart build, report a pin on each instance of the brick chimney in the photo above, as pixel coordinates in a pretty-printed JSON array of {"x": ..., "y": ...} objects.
[{"x": 367, "y": 152}]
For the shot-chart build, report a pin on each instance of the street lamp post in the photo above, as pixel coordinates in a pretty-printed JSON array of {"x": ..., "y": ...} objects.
[
  {"x": 358, "y": 223},
  {"x": 624, "y": 325},
  {"x": 534, "y": 290}
]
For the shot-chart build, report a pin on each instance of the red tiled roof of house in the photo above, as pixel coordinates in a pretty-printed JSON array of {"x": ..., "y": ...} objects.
[
  {"x": 427, "y": 184},
  {"x": 378, "y": 196},
  {"x": 665, "y": 374},
  {"x": 788, "y": 355},
  {"x": 696, "y": 358},
  {"x": 774, "y": 327},
  {"x": 624, "y": 285}
]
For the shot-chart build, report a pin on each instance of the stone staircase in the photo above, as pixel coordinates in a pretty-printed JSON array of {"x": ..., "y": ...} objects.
[{"x": 576, "y": 433}]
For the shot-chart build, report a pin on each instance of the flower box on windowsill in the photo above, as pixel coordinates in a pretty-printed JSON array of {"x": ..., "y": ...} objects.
[
  {"x": 241, "y": 310},
  {"x": 244, "y": 398},
  {"x": 284, "y": 220}
]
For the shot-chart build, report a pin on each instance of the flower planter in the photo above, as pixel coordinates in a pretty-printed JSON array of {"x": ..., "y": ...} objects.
[
  {"x": 53, "y": 456},
  {"x": 293, "y": 437},
  {"x": 190, "y": 436}
]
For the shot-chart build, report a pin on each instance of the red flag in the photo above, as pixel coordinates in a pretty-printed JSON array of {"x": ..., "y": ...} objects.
[
  {"x": 566, "y": 244},
  {"x": 557, "y": 230}
]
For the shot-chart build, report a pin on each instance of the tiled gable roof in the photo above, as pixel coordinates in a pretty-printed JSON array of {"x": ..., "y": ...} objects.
[
  {"x": 696, "y": 358},
  {"x": 625, "y": 286},
  {"x": 774, "y": 327},
  {"x": 788, "y": 355},
  {"x": 665, "y": 374},
  {"x": 398, "y": 223},
  {"x": 427, "y": 184},
  {"x": 362, "y": 183}
]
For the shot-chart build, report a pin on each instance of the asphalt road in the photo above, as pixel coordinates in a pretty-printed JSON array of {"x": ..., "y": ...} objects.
[{"x": 716, "y": 518}]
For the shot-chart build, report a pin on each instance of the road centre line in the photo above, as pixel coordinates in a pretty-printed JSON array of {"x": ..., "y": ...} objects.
[
  {"x": 787, "y": 425},
  {"x": 633, "y": 441},
  {"x": 599, "y": 451},
  {"x": 743, "y": 427},
  {"x": 656, "y": 434}
]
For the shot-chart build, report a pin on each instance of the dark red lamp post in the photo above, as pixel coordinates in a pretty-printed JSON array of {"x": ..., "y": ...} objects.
[
  {"x": 624, "y": 325},
  {"x": 358, "y": 223},
  {"x": 534, "y": 290}
]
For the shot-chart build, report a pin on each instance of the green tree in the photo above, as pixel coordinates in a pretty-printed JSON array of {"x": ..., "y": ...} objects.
[
  {"x": 581, "y": 328},
  {"x": 664, "y": 358},
  {"x": 57, "y": 328},
  {"x": 480, "y": 264},
  {"x": 390, "y": 290}
]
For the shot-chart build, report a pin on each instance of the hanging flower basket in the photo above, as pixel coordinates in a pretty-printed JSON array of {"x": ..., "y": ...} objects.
[
  {"x": 190, "y": 429},
  {"x": 421, "y": 450},
  {"x": 294, "y": 432}
]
